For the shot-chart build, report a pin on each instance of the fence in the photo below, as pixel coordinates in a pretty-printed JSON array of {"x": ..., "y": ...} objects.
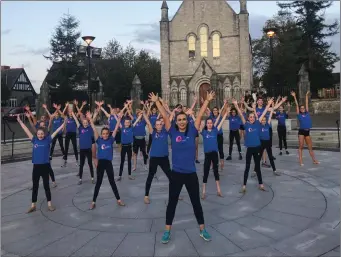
[
  {"x": 329, "y": 93},
  {"x": 5, "y": 124}
]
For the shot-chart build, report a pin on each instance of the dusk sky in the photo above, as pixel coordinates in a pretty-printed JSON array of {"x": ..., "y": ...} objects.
[{"x": 26, "y": 27}]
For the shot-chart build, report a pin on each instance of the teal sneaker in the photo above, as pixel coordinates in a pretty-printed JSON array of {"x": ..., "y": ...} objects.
[
  {"x": 205, "y": 235},
  {"x": 166, "y": 237}
]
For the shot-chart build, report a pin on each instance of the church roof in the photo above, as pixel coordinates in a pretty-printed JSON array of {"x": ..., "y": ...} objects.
[{"x": 164, "y": 5}]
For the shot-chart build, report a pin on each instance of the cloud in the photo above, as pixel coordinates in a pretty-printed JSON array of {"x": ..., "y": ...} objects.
[
  {"x": 5, "y": 32},
  {"x": 30, "y": 51}
]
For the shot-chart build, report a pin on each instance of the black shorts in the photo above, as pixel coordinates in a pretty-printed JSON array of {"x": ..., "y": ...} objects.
[
  {"x": 304, "y": 132},
  {"x": 241, "y": 127},
  {"x": 138, "y": 144},
  {"x": 118, "y": 137}
]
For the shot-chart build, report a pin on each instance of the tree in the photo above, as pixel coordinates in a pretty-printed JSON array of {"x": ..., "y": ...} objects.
[
  {"x": 5, "y": 93},
  {"x": 66, "y": 74},
  {"x": 313, "y": 48},
  {"x": 113, "y": 50}
]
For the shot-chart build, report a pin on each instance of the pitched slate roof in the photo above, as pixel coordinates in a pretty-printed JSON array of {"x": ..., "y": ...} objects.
[{"x": 10, "y": 76}]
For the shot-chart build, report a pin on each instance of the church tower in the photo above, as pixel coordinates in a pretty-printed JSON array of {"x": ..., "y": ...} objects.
[
  {"x": 164, "y": 52},
  {"x": 245, "y": 47}
]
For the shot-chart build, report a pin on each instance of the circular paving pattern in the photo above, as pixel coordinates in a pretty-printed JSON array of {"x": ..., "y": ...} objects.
[{"x": 298, "y": 215}]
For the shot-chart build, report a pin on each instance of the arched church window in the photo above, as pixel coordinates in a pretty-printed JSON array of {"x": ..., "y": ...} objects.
[
  {"x": 203, "y": 41},
  {"x": 183, "y": 95},
  {"x": 191, "y": 46},
  {"x": 227, "y": 92},
  {"x": 237, "y": 93},
  {"x": 174, "y": 97},
  {"x": 216, "y": 45}
]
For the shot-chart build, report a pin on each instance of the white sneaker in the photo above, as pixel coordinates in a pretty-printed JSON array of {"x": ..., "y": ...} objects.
[
  {"x": 64, "y": 165},
  {"x": 77, "y": 163},
  {"x": 145, "y": 167}
]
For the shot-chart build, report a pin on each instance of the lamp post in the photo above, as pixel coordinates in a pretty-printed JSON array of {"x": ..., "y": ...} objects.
[
  {"x": 271, "y": 32},
  {"x": 89, "y": 52}
]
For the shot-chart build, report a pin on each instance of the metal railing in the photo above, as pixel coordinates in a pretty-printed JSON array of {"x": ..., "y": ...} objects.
[
  {"x": 5, "y": 123},
  {"x": 338, "y": 131}
]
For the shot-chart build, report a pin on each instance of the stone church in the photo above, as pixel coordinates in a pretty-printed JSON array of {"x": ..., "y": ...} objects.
[{"x": 206, "y": 45}]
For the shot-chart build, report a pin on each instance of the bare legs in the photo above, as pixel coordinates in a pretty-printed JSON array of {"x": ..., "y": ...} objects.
[{"x": 307, "y": 139}]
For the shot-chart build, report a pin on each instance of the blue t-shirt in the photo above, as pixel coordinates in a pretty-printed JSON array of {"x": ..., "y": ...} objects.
[
  {"x": 220, "y": 132},
  {"x": 260, "y": 111},
  {"x": 153, "y": 119},
  {"x": 85, "y": 137},
  {"x": 140, "y": 129},
  {"x": 112, "y": 122},
  {"x": 41, "y": 150},
  {"x": 305, "y": 120},
  {"x": 252, "y": 132},
  {"x": 183, "y": 149},
  {"x": 210, "y": 140},
  {"x": 127, "y": 136},
  {"x": 105, "y": 148},
  {"x": 235, "y": 122},
  {"x": 281, "y": 117},
  {"x": 264, "y": 132},
  {"x": 56, "y": 123},
  {"x": 71, "y": 125},
  {"x": 159, "y": 146}
]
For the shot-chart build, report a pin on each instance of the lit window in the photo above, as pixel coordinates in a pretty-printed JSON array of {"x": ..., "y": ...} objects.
[
  {"x": 191, "y": 46},
  {"x": 203, "y": 41},
  {"x": 183, "y": 95},
  {"x": 227, "y": 92},
  {"x": 216, "y": 45}
]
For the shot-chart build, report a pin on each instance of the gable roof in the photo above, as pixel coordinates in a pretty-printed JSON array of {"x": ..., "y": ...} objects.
[{"x": 10, "y": 76}]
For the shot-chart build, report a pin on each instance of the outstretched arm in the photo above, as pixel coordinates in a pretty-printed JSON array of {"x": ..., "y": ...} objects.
[
  {"x": 209, "y": 97},
  {"x": 117, "y": 126},
  {"x": 137, "y": 120},
  {"x": 155, "y": 98},
  {"x": 271, "y": 112},
  {"x": 295, "y": 99},
  {"x": 88, "y": 115},
  {"x": 235, "y": 103},
  {"x": 47, "y": 111},
  {"x": 31, "y": 122},
  {"x": 27, "y": 131},
  {"x": 266, "y": 109},
  {"x": 75, "y": 118},
  {"x": 307, "y": 101},
  {"x": 58, "y": 129},
  {"x": 149, "y": 125},
  {"x": 223, "y": 119}
]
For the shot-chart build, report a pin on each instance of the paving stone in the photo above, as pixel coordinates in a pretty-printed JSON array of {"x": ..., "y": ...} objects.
[
  {"x": 261, "y": 251},
  {"x": 136, "y": 244},
  {"x": 331, "y": 254}
]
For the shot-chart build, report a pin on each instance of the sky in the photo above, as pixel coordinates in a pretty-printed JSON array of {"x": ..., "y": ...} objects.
[{"x": 27, "y": 26}]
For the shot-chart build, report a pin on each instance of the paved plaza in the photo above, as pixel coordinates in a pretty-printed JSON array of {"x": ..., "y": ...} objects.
[{"x": 299, "y": 215}]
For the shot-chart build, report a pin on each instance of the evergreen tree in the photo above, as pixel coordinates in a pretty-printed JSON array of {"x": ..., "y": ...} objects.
[{"x": 313, "y": 48}]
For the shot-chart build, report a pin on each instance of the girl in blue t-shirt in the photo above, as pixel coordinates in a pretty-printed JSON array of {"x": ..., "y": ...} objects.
[
  {"x": 265, "y": 139},
  {"x": 304, "y": 119},
  {"x": 281, "y": 117},
  {"x": 235, "y": 122},
  {"x": 104, "y": 155},
  {"x": 41, "y": 161},
  {"x": 252, "y": 142},
  {"x": 183, "y": 172},
  {"x": 209, "y": 135},
  {"x": 55, "y": 121},
  {"x": 153, "y": 117}
]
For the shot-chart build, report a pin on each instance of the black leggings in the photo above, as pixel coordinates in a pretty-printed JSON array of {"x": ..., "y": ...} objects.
[
  {"x": 105, "y": 165},
  {"x": 220, "y": 140},
  {"x": 126, "y": 149},
  {"x": 140, "y": 144},
  {"x": 211, "y": 157},
  {"x": 282, "y": 137},
  {"x": 149, "y": 143},
  {"x": 60, "y": 141},
  {"x": 255, "y": 153},
  {"x": 154, "y": 162},
  {"x": 191, "y": 182},
  {"x": 234, "y": 134},
  {"x": 266, "y": 144},
  {"x": 51, "y": 173},
  {"x": 270, "y": 131},
  {"x": 41, "y": 170},
  {"x": 71, "y": 136},
  {"x": 85, "y": 153}
]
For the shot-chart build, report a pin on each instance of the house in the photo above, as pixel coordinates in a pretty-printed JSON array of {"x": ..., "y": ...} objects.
[{"x": 21, "y": 89}]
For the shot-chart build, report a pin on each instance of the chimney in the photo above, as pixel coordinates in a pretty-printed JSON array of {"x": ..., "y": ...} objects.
[{"x": 5, "y": 67}]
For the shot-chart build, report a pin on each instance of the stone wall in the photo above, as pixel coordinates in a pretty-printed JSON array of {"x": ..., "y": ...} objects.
[{"x": 326, "y": 106}]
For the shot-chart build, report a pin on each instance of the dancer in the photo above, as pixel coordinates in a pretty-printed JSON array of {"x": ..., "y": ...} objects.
[
  {"x": 220, "y": 138},
  {"x": 86, "y": 134},
  {"x": 209, "y": 134},
  {"x": 235, "y": 123},
  {"x": 139, "y": 133},
  {"x": 158, "y": 153},
  {"x": 183, "y": 172},
  {"x": 71, "y": 134},
  {"x": 243, "y": 110},
  {"x": 152, "y": 118},
  {"x": 252, "y": 142},
  {"x": 55, "y": 121},
  {"x": 281, "y": 116},
  {"x": 304, "y": 118},
  {"x": 41, "y": 162},
  {"x": 104, "y": 156},
  {"x": 265, "y": 139}
]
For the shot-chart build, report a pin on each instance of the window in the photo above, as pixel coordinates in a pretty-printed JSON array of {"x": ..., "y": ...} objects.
[
  {"x": 237, "y": 93},
  {"x": 191, "y": 46},
  {"x": 174, "y": 97},
  {"x": 203, "y": 41},
  {"x": 227, "y": 92},
  {"x": 183, "y": 96},
  {"x": 216, "y": 45},
  {"x": 12, "y": 102}
]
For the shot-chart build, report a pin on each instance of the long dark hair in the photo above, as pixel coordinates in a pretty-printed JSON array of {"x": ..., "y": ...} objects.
[
  {"x": 176, "y": 125},
  {"x": 209, "y": 118}
]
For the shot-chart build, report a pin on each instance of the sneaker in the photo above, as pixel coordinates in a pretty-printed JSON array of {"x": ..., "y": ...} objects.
[
  {"x": 276, "y": 173},
  {"x": 240, "y": 157},
  {"x": 131, "y": 178},
  {"x": 51, "y": 208},
  {"x": 77, "y": 163},
  {"x": 205, "y": 235},
  {"x": 253, "y": 174},
  {"x": 80, "y": 182},
  {"x": 64, "y": 165},
  {"x": 280, "y": 153},
  {"x": 145, "y": 168},
  {"x": 286, "y": 152},
  {"x": 119, "y": 179},
  {"x": 196, "y": 161},
  {"x": 229, "y": 158},
  {"x": 264, "y": 164},
  {"x": 54, "y": 184},
  {"x": 167, "y": 236},
  {"x": 93, "y": 181},
  {"x": 274, "y": 158}
]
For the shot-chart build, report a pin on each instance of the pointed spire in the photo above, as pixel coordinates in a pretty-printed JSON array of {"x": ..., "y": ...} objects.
[
  {"x": 136, "y": 80},
  {"x": 164, "y": 5}
]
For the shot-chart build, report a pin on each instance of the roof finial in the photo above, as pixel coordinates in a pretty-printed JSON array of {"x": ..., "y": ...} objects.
[{"x": 164, "y": 5}]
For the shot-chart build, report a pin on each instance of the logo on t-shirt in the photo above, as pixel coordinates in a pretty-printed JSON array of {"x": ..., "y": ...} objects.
[
  {"x": 264, "y": 129},
  {"x": 179, "y": 139},
  {"x": 104, "y": 146},
  {"x": 251, "y": 130},
  {"x": 83, "y": 131},
  {"x": 209, "y": 136}
]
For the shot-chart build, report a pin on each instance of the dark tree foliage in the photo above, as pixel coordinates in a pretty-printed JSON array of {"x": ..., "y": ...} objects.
[
  {"x": 313, "y": 48},
  {"x": 5, "y": 92}
]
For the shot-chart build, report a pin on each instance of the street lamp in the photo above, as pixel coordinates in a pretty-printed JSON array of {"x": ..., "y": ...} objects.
[
  {"x": 89, "y": 52},
  {"x": 271, "y": 33}
]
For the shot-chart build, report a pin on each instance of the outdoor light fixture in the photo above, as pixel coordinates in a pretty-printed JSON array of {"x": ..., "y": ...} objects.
[
  {"x": 88, "y": 39},
  {"x": 270, "y": 32}
]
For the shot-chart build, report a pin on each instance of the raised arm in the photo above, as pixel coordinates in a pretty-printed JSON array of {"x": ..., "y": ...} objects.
[
  {"x": 88, "y": 116},
  {"x": 235, "y": 103},
  {"x": 248, "y": 107},
  {"x": 266, "y": 109},
  {"x": 224, "y": 118},
  {"x": 307, "y": 101},
  {"x": 47, "y": 111},
  {"x": 34, "y": 119},
  {"x": 279, "y": 103},
  {"x": 118, "y": 124},
  {"x": 195, "y": 99},
  {"x": 295, "y": 99},
  {"x": 137, "y": 120},
  {"x": 66, "y": 106},
  {"x": 154, "y": 98},
  {"x": 58, "y": 129},
  {"x": 99, "y": 104},
  {"x": 209, "y": 98},
  {"x": 149, "y": 125},
  {"x": 27, "y": 131},
  {"x": 31, "y": 122},
  {"x": 75, "y": 118},
  {"x": 271, "y": 112}
]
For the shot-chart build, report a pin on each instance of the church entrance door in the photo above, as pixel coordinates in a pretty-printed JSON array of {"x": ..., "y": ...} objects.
[{"x": 203, "y": 91}]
